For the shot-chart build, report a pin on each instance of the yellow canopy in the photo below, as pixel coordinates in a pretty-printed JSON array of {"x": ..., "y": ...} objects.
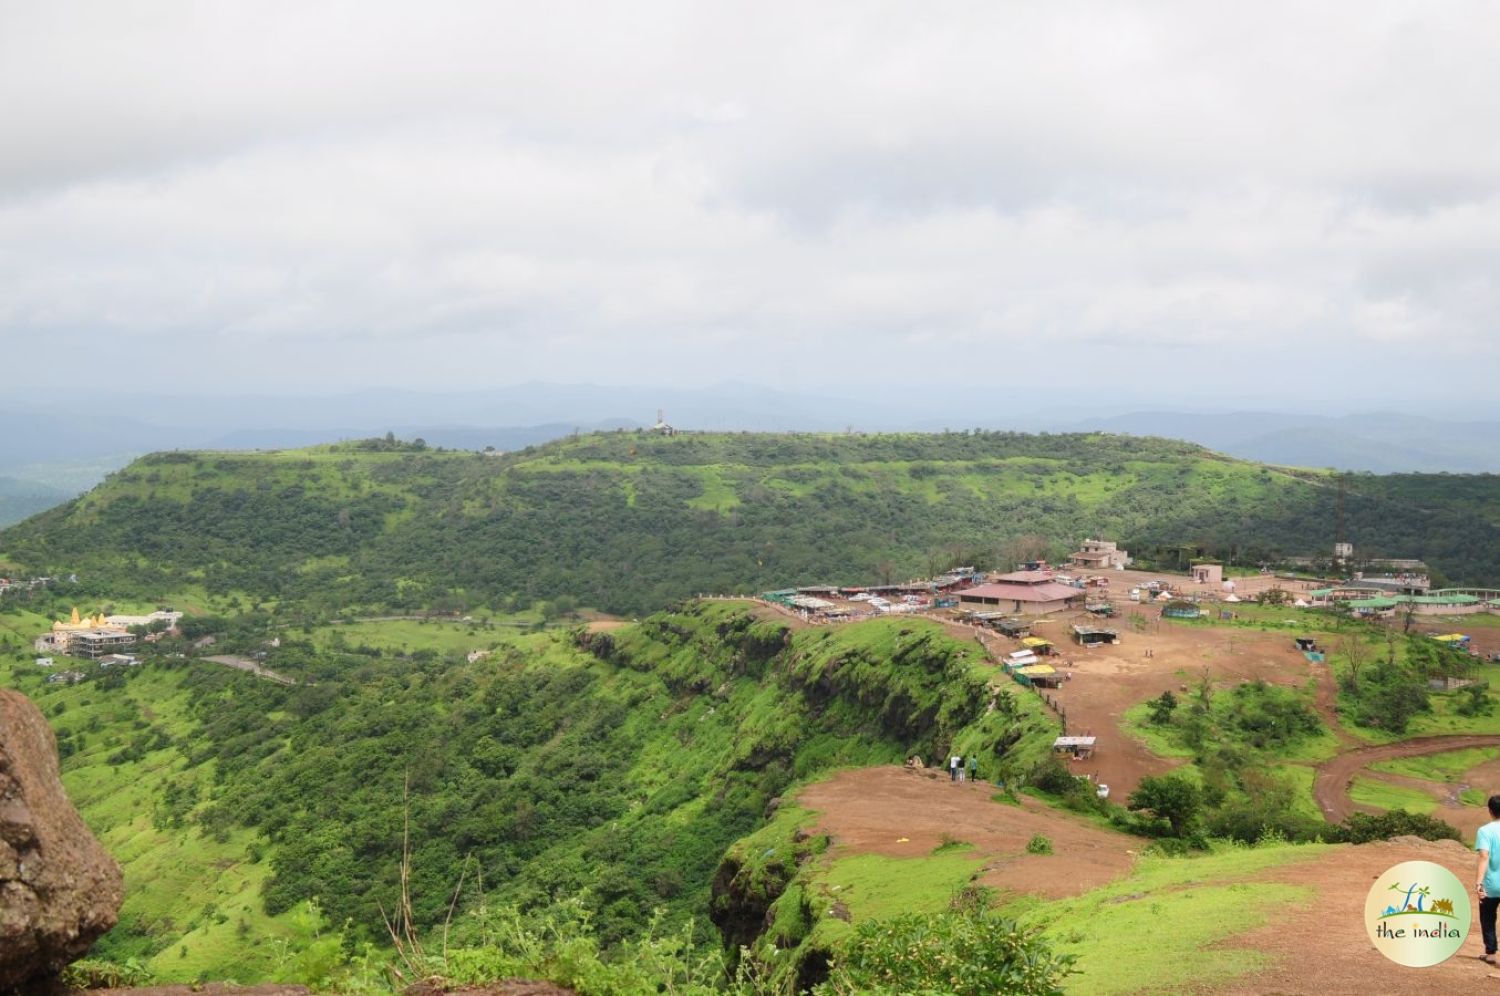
[
  {"x": 1036, "y": 641},
  {"x": 1032, "y": 669}
]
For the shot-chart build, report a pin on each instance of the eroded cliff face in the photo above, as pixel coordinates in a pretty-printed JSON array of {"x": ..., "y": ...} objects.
[{"x": 59, "y": 889}]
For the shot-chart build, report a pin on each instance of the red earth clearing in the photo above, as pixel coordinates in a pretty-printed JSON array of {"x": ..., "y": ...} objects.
[{"x": 906, "y": 813}]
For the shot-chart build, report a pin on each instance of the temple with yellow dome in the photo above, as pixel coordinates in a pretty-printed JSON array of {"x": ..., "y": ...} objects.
[{"x": 86, "y": 636}]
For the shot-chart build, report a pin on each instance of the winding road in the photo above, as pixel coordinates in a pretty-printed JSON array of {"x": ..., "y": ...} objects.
[{"x": 1336, "y": 775}]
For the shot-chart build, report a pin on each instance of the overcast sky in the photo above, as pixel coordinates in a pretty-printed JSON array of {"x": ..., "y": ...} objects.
[{"x": 1187, "y": 202}]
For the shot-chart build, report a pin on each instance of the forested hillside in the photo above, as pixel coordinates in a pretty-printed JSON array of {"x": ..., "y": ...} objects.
[
  {"x": 613, "y": 767},
  {"x": 630, "y": 521}
]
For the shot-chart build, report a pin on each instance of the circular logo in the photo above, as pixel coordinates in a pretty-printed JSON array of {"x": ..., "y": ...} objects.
[{"x": 1417, "y": 914}]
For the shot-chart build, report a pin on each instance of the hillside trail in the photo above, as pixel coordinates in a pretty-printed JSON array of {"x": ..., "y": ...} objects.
[
  {"x": 250, "y": 667},
  {"x": 1319, "y": 944},
  {"x": 908, "y": 813},
  {"x": 1325, "y": 702},
  {"x": 1335, "y": 776}
]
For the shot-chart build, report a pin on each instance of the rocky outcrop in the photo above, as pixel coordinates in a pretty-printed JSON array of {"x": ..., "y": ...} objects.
[{"x": 59, "y": 889}]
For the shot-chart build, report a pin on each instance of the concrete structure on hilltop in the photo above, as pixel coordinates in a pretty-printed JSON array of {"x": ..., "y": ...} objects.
[
  {"x": 1100, "y": 555},
  {"x": 159, "y": 616},
  {"x": 1028, "y": 592},
  {"x": 97, "y": 635},
  {"x": 97, "y": 643},
  {"x": 661, "y": 427},
  {"x": 1208, "y": 573}
]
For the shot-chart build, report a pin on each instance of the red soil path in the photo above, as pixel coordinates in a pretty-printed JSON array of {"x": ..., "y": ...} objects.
[
  {"x": 1335, "y": 776},
  {"x": 1320, "y": 946}
]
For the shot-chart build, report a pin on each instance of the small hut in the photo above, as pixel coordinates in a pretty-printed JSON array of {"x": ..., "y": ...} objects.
[
  {"x": 1093, "y": 636},
  {"x": 1075, "y": 747},
  {"x": 1038, "y": 676}
]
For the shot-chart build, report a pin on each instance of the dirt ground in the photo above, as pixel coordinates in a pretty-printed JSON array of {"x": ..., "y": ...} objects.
[
  {"x": 1120, "y": 583},
  {"x": 1336, "y": 775},
  {"x": 902, "y": 813},
  {"x": 1107, "y": 680},
  {"x": 1321, "y": 946}
]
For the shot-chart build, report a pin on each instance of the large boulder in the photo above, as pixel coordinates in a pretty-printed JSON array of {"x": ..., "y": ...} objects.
[{"x": 59, "y": 889}]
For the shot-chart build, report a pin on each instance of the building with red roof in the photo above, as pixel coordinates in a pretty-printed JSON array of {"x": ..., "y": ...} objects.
[{"x": 1029, "y": 592}]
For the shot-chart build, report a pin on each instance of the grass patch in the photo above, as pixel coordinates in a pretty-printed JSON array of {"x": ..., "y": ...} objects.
[
  {"x": 1383, "y": 795},
  {"x": 1438, "y": 767},
  {"x": 1184, "y": 906},
  {"x": 874, "y": 886}
]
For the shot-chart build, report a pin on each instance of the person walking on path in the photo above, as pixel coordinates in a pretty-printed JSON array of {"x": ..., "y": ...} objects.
[
  {"x": 953, "y": 768},
  {"x": 1487, "y": 876},
  {"x": 973, "y": 767}
]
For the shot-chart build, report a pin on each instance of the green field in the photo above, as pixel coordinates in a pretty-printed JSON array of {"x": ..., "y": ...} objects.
[
  {"x": 1439, "y": 767},
  {"x": 1384, "y": 795}
]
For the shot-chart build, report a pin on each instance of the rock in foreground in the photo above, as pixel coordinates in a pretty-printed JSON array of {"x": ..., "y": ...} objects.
[{"x": 59, "y": 889}]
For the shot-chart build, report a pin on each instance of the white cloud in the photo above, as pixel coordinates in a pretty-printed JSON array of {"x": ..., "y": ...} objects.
[{"x": 340, "y": 194}]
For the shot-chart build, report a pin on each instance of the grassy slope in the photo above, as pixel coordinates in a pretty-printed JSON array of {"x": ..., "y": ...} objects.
[
  {"x": 684, "y": 726},
  {"x": 182, "y": 886},
  {"x": 1185, "y": 906},
  {"x": 630, "y": 521}
]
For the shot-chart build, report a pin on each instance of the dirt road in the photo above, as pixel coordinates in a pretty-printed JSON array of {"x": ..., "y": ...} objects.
[
  {"x": 1335, "y": 776},
  {"x": 250, "y": 667}
]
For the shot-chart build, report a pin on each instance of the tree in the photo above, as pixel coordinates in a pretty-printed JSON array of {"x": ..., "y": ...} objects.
[
  {"x": 1162, "y": 708},
  {"x": 1022, "y": 550},
  {"x": 1352, "y": 646},
  {"x": 1171, "y": 798}
]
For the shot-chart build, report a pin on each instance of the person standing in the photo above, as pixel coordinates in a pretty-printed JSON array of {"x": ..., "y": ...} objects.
[
  {"x": 1487, "y": 876},
  {"x": 953, "y": 767},
  {"x": 973, "y": 767}
]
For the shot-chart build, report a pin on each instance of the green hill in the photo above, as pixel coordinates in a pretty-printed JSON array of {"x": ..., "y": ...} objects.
[{"x": 631, "y": 521}]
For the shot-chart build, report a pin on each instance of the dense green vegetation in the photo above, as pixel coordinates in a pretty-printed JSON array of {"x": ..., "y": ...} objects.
[
  {"x": 613, "y": 767},
  {"x": 556, "y": 791},
  {"x": 629, "y": 522}
]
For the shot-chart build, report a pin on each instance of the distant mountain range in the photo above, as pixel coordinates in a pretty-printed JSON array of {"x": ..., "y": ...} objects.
[
  {"x": 1380, "y": 443},
  {"x": 54, "y": 453},
  {"x": 21, "y": 499}
]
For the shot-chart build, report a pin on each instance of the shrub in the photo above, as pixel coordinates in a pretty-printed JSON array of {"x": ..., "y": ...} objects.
[
  {"x": 1361, "y": 828},
  {"x": 964, "y": 954},
  {"x": 1039, "y": 844},
  {"x": 1170, "y": 798}
]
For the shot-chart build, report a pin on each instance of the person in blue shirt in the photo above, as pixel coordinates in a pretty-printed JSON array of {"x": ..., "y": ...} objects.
[{"x": 1487, "y": 877}]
